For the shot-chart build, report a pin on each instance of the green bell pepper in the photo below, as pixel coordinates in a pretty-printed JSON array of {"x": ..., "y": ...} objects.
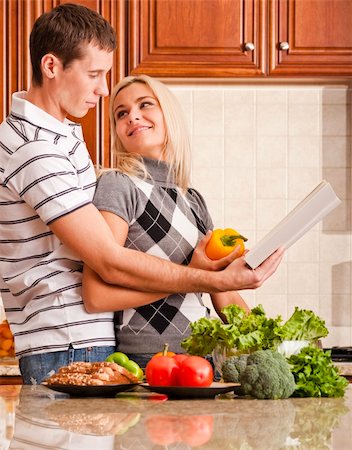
[{"x": 123, "y": 360}]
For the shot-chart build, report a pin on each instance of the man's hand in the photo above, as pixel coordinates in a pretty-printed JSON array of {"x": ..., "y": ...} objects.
[{"x": 240, "y": 276}]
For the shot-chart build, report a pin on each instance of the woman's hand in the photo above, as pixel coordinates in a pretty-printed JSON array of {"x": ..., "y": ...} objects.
[{"x": 201, "y": 261}]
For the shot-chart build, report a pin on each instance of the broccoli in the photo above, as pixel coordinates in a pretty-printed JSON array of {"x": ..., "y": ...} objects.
[
  {"x": 267, "y": 375},
  {"x": 232, "y": 368}
]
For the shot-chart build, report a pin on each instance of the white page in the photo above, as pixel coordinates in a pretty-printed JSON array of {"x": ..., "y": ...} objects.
[{"x": 313, "y": 208}]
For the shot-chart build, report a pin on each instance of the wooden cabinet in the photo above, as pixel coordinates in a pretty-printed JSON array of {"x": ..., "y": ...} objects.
[
  {"x": 318, "y": 36},
  {"x": 240, "y": 38},
  {"x": 18, "y": 17},
  {"x": 193, "y": 39},
  {"x": 197, "y": 38}
]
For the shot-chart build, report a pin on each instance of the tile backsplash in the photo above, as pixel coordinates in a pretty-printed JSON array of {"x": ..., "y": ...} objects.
[{"x": 257, "y": 151}]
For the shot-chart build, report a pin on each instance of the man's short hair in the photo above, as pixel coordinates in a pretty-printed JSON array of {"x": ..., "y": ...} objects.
[{"x": 64, "y": 31}]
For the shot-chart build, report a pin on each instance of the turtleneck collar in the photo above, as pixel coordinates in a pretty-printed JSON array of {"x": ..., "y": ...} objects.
[{"x": 159, "y": 170}]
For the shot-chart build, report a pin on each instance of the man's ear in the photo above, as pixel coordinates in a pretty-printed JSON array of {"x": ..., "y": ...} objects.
[{"x": 49, "y": 65}]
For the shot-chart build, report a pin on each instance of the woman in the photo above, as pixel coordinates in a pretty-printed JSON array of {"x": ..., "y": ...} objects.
[{"x": 149, "y": 206}]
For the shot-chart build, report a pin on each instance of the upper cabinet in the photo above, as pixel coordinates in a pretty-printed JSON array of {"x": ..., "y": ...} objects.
[
  {"x": 193, "y": 39},
  {"x": 197, "y": 38},
  {"x": 240, "y": 38},
  {"x": 310, "y": 37},
  {"x": 18, "y": 17}
]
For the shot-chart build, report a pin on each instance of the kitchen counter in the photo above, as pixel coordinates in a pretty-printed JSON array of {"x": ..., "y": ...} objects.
[{"x": 33, "y": 417}]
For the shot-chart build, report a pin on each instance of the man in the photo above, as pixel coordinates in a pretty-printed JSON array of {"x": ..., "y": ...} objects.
[{"x": 48, "y": 224}]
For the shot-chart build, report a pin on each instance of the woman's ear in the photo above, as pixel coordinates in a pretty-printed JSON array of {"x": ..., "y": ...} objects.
[{"x": 48, "y": 64}]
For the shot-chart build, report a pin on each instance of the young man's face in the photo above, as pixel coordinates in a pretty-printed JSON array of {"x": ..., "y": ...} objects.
[{"x": 80, "y": 85}]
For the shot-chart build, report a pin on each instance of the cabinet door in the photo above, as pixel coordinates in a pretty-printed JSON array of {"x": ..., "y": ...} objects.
[
  {"x": 197, "y": 38},
  {"x": 18, "y": 17},
  {"x": 318, "y": 36}
]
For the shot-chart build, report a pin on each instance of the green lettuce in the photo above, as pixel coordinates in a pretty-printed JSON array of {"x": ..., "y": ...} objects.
[
  {"x": 315, "y": 374},
  {"x": 250, "y": 332},
  {"x": 303, "y": 325}
]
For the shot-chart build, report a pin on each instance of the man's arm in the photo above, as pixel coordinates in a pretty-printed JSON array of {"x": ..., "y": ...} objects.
[
  {"x": 86, "y": 232},
  {"x": 99, "y": 296}
]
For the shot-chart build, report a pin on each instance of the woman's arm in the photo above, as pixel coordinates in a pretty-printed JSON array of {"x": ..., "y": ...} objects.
[
  {"x": 99, "y": 296},
  {"x": 222, "y": 299}
]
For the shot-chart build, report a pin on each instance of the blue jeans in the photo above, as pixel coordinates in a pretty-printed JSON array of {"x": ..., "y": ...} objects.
[{"x": 36, "y": 368}]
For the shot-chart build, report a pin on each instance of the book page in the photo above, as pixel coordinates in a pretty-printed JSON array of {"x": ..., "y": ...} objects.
[{"x": 313, "y": 208}]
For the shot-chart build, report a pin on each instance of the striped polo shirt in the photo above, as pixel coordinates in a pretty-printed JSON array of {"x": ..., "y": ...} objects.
[{"x": 45, "y": 173}]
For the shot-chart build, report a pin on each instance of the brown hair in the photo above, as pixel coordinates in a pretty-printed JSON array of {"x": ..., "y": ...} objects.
[{"x": 63, "y": 31}]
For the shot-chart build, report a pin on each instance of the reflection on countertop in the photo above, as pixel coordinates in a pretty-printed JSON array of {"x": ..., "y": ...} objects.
[{"x": 142, "y": 420}]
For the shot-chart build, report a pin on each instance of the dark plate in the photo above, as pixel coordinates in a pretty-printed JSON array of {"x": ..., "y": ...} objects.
[
  {"x": 107, "y": 390},
  {"x": 214, "y": 389}
]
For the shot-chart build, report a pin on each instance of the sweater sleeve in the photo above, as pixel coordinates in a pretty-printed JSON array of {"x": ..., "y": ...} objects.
[
  {"x": 199, "y": 205},
  {"x": 116, "y": 193}
]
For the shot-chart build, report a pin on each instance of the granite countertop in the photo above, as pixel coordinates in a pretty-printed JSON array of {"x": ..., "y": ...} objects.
[{"x": 37, "y": 417}]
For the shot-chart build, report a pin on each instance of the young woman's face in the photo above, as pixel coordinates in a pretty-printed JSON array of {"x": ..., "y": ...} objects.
[{"x": 140, "y": 121}]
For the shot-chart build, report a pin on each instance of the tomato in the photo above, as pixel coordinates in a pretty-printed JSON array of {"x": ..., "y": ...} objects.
[
  {"x": 195, "y": 371},
  {"x": 162, "y": 371},
  {"x": 179, "y": 370},
  {"x": 180, "y": 357},
  {"x": 223, "y": 242}
]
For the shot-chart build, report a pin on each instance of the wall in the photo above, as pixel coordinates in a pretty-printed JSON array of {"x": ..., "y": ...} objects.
[{"x": 257, "y": 151}]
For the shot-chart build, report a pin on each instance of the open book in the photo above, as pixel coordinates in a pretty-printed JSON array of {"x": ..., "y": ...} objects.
[{"x": 302, "y": 218}]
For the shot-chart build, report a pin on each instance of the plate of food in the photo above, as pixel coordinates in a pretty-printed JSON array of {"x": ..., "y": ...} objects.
[
  {"x": 104, "y": 390},
  {"x": 211, "y": 391},
  {"x": 98, "y": 379}
]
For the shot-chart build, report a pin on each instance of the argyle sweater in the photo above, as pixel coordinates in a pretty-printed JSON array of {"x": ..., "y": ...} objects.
[{"x": 163, "y": 222}]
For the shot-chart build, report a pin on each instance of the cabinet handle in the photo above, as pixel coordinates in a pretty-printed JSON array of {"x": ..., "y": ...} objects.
[
  {"x": 249, "y": 46},
  {"x": 284, "y": 45}
]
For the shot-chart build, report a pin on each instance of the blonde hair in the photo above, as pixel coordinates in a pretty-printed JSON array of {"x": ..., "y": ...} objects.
[{"x": 177, "y": 150}]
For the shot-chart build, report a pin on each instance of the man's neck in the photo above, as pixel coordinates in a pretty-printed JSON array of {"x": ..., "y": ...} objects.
[{"x": 41, "y": 98}]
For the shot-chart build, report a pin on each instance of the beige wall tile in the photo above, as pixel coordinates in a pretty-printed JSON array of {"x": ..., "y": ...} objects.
[
  {"x": 336, "y": 151},
  {"x": 334, "y": 120},
  {"x": 239, "y": 113},
  {"x": 271, "y": 119},
  {"x": 301, "y": 181},
  {"x": 305, "y": 96},
  {"x": 269, "y": 214},
  {"x": 240, "y": 215},
  {"x": 303, "y": 120},
  {"x": 306, "y": 301},
  {"x": 239, "y": 185},
  {"x": 208, "y": 112},
  {"x": 239, "y": 152},
  {"x": 338, "y": 336},
  {"x": 302, "y": 278},
  {"x": 216, "y": 210},
  {"x": 303, "y": 151},
  {"x": 257, "y": 152},
  {"x": 277, "y": 284},
  {"x": 305, "y": 249},
  {"x": 271, "y": 183},
  {"x": 273, "y": 304},
  {"x": 272, "y": 152},
  {"x": 207, "y": 152}
]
